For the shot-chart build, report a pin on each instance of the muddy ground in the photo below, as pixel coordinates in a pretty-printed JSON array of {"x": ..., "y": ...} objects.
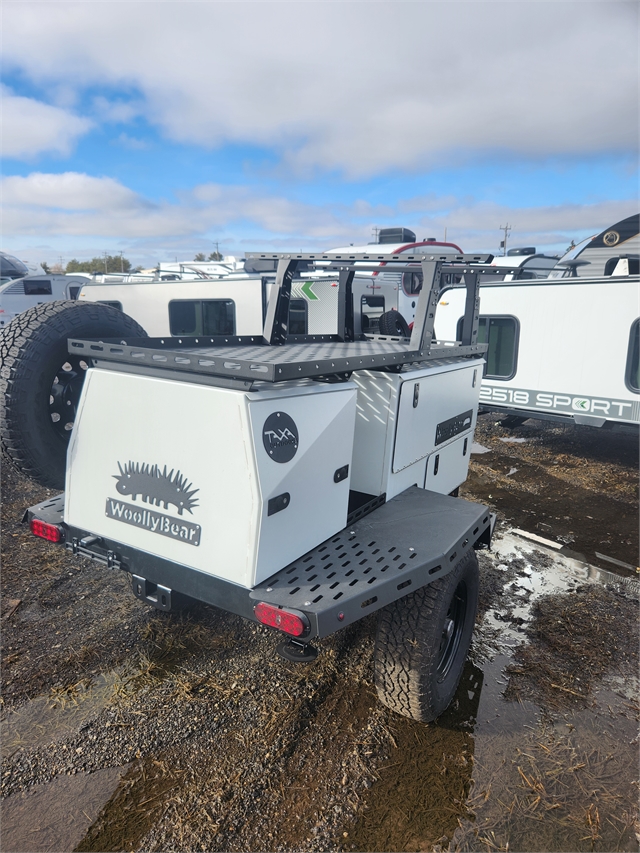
[{"x": 129, "y": 729}]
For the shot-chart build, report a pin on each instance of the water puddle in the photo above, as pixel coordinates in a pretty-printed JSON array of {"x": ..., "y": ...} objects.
[
  {"x": 57, "y": 815},
  {"x": 479, "y": 449},
  {"x": 512, "y": 440},
  {"x": 504, "y": 768}
]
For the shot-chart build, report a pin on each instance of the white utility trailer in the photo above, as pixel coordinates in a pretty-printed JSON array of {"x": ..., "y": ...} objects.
[
  {"x": 302, "y": 482},
  {"x": 563, "y": 349}
]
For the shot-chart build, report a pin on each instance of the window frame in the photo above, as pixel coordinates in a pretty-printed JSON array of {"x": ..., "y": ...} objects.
[
  {"x": 364, "y": 301},
  {"x": 199, "y": 317},
  {"x": 305, "y": 309},
  {"x": 634, "y": 344},
  {"x": 516, "y": 344},
  {"x": 45, "y": 287}
]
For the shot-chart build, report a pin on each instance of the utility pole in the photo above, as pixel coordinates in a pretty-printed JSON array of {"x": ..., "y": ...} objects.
[
  {"x": 105, "y": 262},
  {"x": 121, "y": 263},
  {"x": 445, "y": 233},
  {"x": 503, "y": 243},
  {"x": 375, "y": 230}
]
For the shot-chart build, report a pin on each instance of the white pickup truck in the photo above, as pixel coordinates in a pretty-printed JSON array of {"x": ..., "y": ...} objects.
[{"x": 300, "y": 481}]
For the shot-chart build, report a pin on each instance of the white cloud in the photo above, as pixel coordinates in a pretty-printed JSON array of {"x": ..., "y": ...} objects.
[
  {"x": 70, "y": 191},
  {"x": 358, "y": 87},
  {"x": 30, "y": 127},
  {"x": 73, "y": 208}
]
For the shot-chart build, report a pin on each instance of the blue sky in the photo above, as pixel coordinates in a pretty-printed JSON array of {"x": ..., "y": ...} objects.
[{"x": 161, "y": 129}]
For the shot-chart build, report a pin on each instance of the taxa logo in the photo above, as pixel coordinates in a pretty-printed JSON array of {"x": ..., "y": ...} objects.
[
  {"x": 155, "y": 487},
  {"x": 280, "y": 437}
]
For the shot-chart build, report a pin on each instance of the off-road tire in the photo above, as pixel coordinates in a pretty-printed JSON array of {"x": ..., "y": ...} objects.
[
  {"x": 33, "y": 353},
  {"x": 393, "y": 323},
  {"x": 417, "y": 668}
]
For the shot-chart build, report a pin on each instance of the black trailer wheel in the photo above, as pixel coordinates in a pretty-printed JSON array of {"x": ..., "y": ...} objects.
[
  {"x": 422, "y": 643},
  {"x": 40, "y": 382},
  {"x": 393, "y": 323}
]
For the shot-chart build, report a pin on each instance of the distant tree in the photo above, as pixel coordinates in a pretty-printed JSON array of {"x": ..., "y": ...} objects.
[
  {"x": 106, "y": 263},
  {"x": 200, "y": 257},
  {"x": 214, "y": 256},
  {"x": 45, "y": 266},
  {"x": 56, "y": 269}
]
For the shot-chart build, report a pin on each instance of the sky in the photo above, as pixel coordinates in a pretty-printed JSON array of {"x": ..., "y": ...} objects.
[{"x": 163, "y": 129}]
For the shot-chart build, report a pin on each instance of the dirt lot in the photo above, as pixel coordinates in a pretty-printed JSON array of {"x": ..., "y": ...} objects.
[{"x": 129, "y": 729}]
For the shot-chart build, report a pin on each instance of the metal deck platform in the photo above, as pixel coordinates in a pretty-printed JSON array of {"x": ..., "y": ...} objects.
[
  {"x": 256, "y": 361},
  {"x": 415, "y": 538},
  {"x": 410, "y": 541}
]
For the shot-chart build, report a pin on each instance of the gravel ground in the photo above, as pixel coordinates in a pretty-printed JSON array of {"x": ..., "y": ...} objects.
[{"x": 215, "y": 743}]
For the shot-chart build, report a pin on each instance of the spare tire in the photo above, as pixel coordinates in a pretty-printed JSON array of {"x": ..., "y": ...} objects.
[
  {"x": 40, "y": 382},
  {"x": 393, "y": 323}
]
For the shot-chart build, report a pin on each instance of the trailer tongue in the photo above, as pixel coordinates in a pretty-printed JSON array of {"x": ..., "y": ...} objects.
[{"x": 300, "y": 482}]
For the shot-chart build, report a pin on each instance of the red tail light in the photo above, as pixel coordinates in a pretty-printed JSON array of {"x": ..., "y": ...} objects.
[
  {"x": 50, "y": 532},
  {"x": 284, "y": 620}
]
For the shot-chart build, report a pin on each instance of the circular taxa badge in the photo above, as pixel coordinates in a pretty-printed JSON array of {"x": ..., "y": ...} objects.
[
  {"x": 611, "y": 238},
  {"x": 280, "y": 437}
]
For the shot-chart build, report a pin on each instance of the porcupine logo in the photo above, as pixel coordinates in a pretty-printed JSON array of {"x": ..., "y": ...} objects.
[{"x": 155, "y": 486}]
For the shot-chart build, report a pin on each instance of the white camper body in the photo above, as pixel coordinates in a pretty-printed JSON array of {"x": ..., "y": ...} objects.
[
  {"x": 559, "y": 349},
  {"x": 22, "y": 293},
  {"x": 236, "y": 304}
]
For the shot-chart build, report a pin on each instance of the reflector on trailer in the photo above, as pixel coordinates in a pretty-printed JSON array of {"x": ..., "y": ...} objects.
[
  {"x": 51, "y": 532},
  {"x": 289, "y": 622}
]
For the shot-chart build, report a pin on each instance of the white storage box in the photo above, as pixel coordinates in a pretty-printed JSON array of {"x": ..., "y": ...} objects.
[
  {"x": 233, "y": 483},
  {"x": 404, "y": 418}
]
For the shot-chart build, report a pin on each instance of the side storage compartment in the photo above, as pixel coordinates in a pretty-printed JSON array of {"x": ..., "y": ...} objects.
[
  {"x": 403, "y": 419},
  {"x": 231, "y": 483}
]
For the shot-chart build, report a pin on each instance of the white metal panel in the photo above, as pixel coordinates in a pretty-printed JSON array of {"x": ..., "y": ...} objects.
[
  {"x": 148, "y": 302},
  {"x": 440, "y": 397},
  {"x": 386, "y": 420},
  {"x": 207, "y": 442},
  {"x": 447, "y": 467},
  {"x": 317, "y": 507}
]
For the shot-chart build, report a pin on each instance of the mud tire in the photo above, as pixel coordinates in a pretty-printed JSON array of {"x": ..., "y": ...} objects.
[
  {"x": 393, "y": 323},
  {"x": 417, "y": 667},
  {"x": 33, "y": 350}
]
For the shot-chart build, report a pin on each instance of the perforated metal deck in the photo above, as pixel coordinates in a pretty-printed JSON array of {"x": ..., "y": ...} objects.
[
  {"x": 261, "y": 362},
  {"x": 410, "y": 541}
]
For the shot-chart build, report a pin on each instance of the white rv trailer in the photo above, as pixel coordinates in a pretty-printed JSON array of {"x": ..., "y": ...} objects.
[
  {"x": 559, "y": 349},
  {"x": 236, "y": 304},
  {"x": 21, "y": 293},
  {"x": 602, "y": 254}
]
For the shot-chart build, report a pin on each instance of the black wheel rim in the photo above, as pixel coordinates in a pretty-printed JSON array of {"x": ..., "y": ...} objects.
[
  {"x": 452, "y": 632},
  {"x": 65, "y": 394}
]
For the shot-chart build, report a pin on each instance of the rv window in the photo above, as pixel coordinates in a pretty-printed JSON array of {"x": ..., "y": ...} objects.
[
  {"x": 219, "y": 317},
  {"x": 208, "y": 317},
  {"x": 37, "y": 286},
  {"x": 612, "y": 263},
  {"x": 112, "y": 303},
  {"x": 633, "y": 359},
  {"x": 298, "y": 324},
  {"x": 412, "y": 282},
  {"x": 74, "y": 291},
  {"x": 371, "y": 308},
  {"x": 501, "y": 333},
  {"x": 182, "y": 318}
]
